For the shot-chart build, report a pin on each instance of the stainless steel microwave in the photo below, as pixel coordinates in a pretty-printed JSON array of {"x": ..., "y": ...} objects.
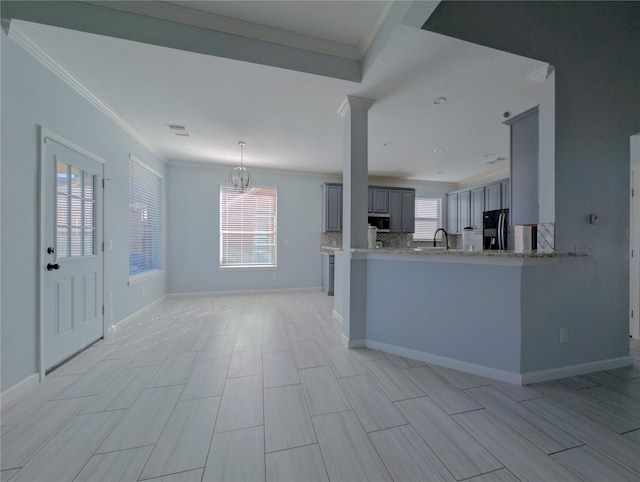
[{"x": 380, "y": 221}]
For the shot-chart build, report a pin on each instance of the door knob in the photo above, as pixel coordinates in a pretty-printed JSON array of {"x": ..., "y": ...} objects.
[{"x": 53, "y": 266}]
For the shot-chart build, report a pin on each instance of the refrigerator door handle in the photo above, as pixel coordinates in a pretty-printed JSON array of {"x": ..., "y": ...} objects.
[{"x": 501, "y": 231}]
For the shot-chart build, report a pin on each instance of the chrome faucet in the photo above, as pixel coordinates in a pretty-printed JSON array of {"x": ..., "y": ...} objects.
[{"x": 446, "y": 236}]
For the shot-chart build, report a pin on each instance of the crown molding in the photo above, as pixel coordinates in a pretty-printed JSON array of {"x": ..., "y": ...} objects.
[
  {"x": 484, "y": 178},
  {"x": 540, "y": 74},
  {"x": 25, "y": 42},
  {"x": 353, "y": 102},
  {"x": 372, "y": 31},
  {"x": 219, "y": 23}
]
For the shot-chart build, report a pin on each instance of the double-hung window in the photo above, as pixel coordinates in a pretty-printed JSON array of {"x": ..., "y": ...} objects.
[
  {"x": 248, "y": 227},
  {"x": 428, "y": 214},
  {"x": 145, "y": 219}
]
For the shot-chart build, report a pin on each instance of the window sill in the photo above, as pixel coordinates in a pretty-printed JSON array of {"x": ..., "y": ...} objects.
[
  {"x": 248, "y": 268},
  {"x": 147, "y": 275}
]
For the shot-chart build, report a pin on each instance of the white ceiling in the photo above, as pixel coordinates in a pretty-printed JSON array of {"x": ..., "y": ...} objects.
[{"x": 289, "y": 119}]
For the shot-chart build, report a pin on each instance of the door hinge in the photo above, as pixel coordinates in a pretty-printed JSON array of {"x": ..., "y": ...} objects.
[
  {"x": 103, "y": 184},
  {"x": 631, "y": 313},
  {"x": 103, "y": 309}
]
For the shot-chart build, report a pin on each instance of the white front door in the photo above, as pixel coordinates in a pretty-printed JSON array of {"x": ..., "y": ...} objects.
[{"x": 73, "y": 268}]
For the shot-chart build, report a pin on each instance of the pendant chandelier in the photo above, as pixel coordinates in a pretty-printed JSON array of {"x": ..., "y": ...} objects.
[{"x": 240, "y": 178}]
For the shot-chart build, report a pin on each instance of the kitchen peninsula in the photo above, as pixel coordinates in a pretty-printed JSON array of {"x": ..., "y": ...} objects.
[{"x": 452, "y": 307}]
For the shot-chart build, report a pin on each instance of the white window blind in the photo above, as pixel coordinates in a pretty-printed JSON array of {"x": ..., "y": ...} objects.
[
  {"x": 145, "y": 216},
  {"x": 248, "y": 222},
  {"x": 427, "y": 218}
]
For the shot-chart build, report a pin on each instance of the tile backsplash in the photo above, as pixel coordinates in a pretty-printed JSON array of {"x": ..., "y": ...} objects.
[{"x": 546, "y": 237}]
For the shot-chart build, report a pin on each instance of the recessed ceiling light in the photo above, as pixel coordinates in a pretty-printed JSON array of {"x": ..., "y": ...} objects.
[
  {"x": 387, "y": 143},
  {"x": 440, "y": 172},
  {"x": 439, "y": 100},
  {"x": 439, "y": 149},
  {"x": 490, "y": 155}
]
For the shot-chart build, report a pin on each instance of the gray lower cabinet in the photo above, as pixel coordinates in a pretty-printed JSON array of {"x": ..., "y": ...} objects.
[
  {"x": 328, "y": 265},
  {"x": 332, "y": 208},
  {"x": 477, "y": 207},
  {"x": 452, "y": 213}
]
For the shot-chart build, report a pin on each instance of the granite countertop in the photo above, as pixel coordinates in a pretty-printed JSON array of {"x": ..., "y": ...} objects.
[{"x": 459, "y": 252}]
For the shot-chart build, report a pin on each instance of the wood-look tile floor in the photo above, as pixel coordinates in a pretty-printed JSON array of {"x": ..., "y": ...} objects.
[{"x": 260, "y": 387}]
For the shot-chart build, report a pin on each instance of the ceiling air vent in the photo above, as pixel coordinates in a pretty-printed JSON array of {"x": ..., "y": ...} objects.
[{"x": 178, "y": 130}]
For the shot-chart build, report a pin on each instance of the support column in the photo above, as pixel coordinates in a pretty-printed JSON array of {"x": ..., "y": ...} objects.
[{"x": 354, "y": 217}]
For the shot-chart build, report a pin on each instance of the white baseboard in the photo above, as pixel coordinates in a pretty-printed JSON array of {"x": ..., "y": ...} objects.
[
  {"x": 14, "y": 394},
  {"x": 197, "y": 294},
  {"x": 480, "y": 370},
  {"x": 141, "y": 311},
  {"x": 503, "y": 375},
  {"x": 573, "y": 370},
  {"x": 353, "y": 343},
  {"x": 337, "y": 316}
]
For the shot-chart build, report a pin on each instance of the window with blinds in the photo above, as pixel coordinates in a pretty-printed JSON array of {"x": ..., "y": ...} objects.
[
  {"x": 248, "y": 224},
  {"x": 145, "y": 216},
  {"x": 428, "y": 214}
]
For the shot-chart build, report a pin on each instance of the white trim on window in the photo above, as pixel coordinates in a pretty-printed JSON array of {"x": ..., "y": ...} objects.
[
  {"x": 248, "y": 228},
  {"x": 146, "y": 244},
  {"x": 428, "y": 217}
]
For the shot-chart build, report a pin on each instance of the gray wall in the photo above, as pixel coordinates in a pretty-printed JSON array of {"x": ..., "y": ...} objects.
[
  {"x": 32, "y": 96},
  {"x": 468, "y": 312},
  {"x": 594, "y": 49},
  {"x": 194, "y": 219}
]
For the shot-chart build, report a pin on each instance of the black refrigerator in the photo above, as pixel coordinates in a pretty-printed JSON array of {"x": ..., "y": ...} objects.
[{"x": 495, "y": 230}]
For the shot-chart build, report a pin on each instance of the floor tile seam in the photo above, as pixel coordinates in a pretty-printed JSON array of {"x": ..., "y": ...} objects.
[
  {"x": 171, "y": 474},
  {"x": 313, "y": 427},
  {"x": 485, "y": 473},
  {"x": 58, "y": 430},
  {"x": 240, "y": 428},
  {"x": 100, "y": 442},
  {"x": 213, "y": 432},
  {"x": 508, "y": 428},
  {"x": 524, "y": 435},
  {"x": 387, "y": 428},
  {"x": 583, "y": 444},
  {"x": 122, "y": 450}
]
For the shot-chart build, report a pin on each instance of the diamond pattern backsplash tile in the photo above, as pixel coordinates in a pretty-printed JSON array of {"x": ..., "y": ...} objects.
[{"x": 546, "y": 237}]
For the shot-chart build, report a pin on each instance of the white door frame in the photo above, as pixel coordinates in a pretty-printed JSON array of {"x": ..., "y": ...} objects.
[
  {"x": 634, "y": 254},
  {"x": 46, "y": 134}
]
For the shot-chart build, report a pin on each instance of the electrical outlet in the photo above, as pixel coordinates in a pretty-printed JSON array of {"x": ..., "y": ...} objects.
[
  {"x": 286, "y": 243},
  {"x": 110, "y": 244},
  {"x": 142, "y": 291},
  {"x": 275, "y": 276},
  {"x": 564, "y": 335}
]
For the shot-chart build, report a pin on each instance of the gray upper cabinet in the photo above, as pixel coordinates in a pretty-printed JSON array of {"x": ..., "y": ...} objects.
[
  {"x": 399, "y": 203},
  {"x": 493, "y": 196},
  {"x": 524, "y": 168},
  {"x": 380, "y": 200},
  {"x": 395, "y": 210},
  {"x": 332, "y": 208},
  {"x": 464, "y": 209},
  {"x": 452, "y": 213},
  {"x": 408, "y": 211},
  {"x": 402, "y": 210},
  {"x": 477, "y": 207}
]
